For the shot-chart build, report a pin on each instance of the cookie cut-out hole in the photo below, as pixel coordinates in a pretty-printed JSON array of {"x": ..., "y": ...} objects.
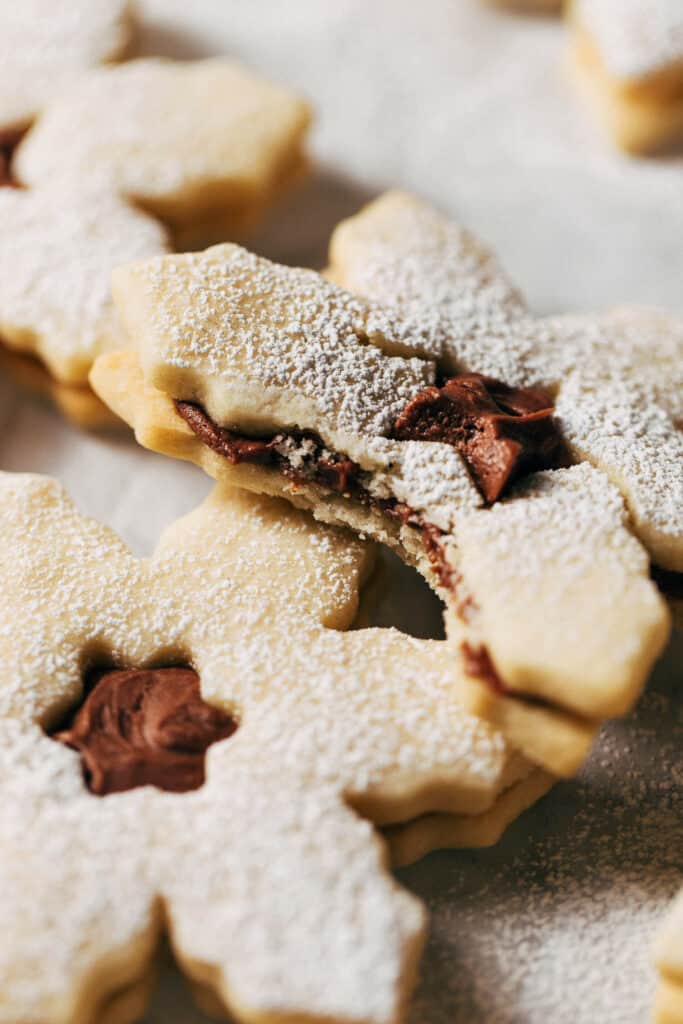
[
  {"x": 397, "y": 596},
  {"x": 139, "y": 727}
]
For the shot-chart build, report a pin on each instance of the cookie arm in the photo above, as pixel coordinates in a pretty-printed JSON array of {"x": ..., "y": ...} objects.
[{"x": 402, "y": 253}]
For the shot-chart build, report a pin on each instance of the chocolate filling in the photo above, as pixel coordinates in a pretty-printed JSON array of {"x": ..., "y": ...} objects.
[
  {"x": 479, "y": 664},
  {"x": 139, "y": 727},
  {"x": 9, "y": 140},
  {"x": 501, "y": 432},
  {"x": 315, "y": 463}
]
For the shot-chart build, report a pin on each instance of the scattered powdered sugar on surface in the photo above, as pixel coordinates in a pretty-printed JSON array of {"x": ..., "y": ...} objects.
[
  {"x": 58, "y": 247},
  {"x": 323, "y": 714},
  {"x": 557, "y": 921},
  {"x": 635, "y": 38},
  {"x": 44, "y": 45}
]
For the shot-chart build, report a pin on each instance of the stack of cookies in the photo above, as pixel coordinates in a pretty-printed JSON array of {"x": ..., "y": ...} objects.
[{"x": 208, "y": 744}]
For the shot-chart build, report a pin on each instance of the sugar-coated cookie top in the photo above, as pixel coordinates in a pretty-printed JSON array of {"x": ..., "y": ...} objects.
[
  {"x": 158, "y": 129},
  {"x": 620, "y": 408},
  {"x": 635, "y": 38},
  {"x": 45, "y": 44},
  {"x": 58, "y": 247},
  {"x": 228, "y": 324},
  {"x": 265, "y": 873}
]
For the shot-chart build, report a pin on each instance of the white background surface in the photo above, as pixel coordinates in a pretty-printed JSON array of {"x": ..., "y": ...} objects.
[{"x": 476, "y": 110}]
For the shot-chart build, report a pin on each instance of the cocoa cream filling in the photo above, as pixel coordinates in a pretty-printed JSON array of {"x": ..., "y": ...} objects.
[
  {"x": 139, "y": 727},
  {"x": 501, "y": 432}
]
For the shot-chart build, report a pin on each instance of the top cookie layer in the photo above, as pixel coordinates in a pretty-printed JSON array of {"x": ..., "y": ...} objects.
[
  {"x": 182, "y": 139},
  {"x": 265, "y": 345},
  {"x": 45, "y": 45}
]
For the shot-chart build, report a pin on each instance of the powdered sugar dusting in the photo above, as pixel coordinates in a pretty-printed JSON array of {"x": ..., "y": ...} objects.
[
  {"x": 431, "y": 479},
  {"x": 172, "y": 131},
  {"x": 320, "y": 930},
  {"x": 619, "y": 408},
  {"x": 58, "y": 247},
  {"x": 635, "y": 38},
  {"x": 437, "y": 276},
  {"x": 44, "y": 46},
  {"x": 254, "y": 340},
  {"x": 543, "y": 566},
  {"x": 557, "y": 922}
]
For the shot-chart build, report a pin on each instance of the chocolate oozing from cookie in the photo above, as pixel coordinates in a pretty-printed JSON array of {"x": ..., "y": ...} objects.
[
  {"x": 478, "y": 663},
  {"x": 317, "y": 464},
  {"x": 9, "y": 140},
  {"x": 501, "y": 432},
  {"x": 139, "y": 727}
]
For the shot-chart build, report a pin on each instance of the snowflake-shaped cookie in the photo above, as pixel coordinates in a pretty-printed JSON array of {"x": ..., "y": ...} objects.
[
  {"x": 669, "y": 959},
  {"x": 269, "y": 879},
  {"x": 204, "y": 146},
  {"x": 630, "y": 54},
  {"x": 45, "y": 46},
  {"x": 547, "y": 590}
]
